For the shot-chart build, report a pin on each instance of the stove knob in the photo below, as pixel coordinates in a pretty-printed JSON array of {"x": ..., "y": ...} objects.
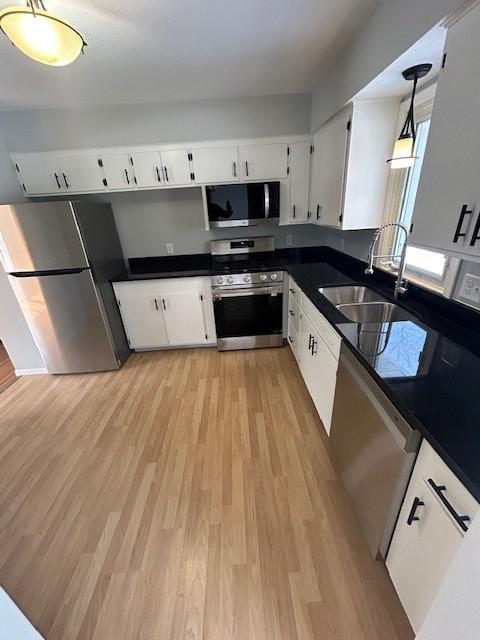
[
  {"x": 263, "y": 277},
  {"x": 247, "y": 278},
  {"x": 229, "y": 280},
  {"x": 273, "y": 276},
  {"x": 219, "y": 280}
]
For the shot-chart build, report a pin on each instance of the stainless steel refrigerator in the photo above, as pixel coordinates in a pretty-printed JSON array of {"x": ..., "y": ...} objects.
[{"x": 60, "y": 258}]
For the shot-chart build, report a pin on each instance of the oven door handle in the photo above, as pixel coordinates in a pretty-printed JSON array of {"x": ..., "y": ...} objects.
[{"x": 241, "y": 293}]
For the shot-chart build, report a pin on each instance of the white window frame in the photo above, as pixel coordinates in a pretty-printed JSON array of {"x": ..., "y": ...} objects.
[{"x": 396, "y": 195}]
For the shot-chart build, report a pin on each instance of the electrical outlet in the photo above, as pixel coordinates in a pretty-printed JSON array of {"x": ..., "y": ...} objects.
[
  {"x": 289, "y": 240},
  {"x": 470, "y": 289},
  {"x": 169, "y": 247}
]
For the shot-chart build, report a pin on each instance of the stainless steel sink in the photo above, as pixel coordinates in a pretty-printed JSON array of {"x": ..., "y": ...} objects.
[
  {"x": 362, "y": 304},
  {"x": 374, "y": 312},
  {"x": 350, "y": 294}
]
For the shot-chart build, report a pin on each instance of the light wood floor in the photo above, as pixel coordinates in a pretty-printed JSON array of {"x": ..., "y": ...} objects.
[
  {"x": 187, "y": 496},
  {"x": 7, "y": 372}
]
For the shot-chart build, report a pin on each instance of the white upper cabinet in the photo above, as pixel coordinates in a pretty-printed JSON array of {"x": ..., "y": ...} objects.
[
  {"x": 118, "y": 170},
  {"x": 176, "y": 167},
  {"x": 329, "y": 165},
  {"x": 39, "y": 174},
  {"x": 147, "y": 167},
  {"x": 264, "y": 161},
  {"x": 349, "y": 170},
  {"x": 81, "y": 173},
  {"x": 215, "y": 164},
  {"x": 447, "y": 206},
  {"x": 299, "y": 163}
]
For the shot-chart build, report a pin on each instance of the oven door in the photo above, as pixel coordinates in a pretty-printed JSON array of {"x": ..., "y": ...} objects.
[{"x": 248, "y": 318}]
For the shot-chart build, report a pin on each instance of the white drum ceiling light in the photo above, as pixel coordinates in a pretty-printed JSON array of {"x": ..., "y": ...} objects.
[{"x": 40, "y": 34}]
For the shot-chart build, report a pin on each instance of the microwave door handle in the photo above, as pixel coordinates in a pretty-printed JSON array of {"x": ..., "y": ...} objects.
[{"x": 266, "y": 192}]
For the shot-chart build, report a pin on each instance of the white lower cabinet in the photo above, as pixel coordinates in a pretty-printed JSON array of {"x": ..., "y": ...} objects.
[
  {"x": 316, "y": 346},
  {"x": 428, "y": 533},
  {"x": 172, "y": 312}
]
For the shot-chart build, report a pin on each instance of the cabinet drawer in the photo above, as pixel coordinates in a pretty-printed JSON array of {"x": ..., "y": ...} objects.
[
  {"x": 325, "y": 330},
  {"x": 434, "y": 469},
  {"x": 293, "y": 340},
  {"x": 294, "y": 291},
  {"x": 294, "y": 313}
]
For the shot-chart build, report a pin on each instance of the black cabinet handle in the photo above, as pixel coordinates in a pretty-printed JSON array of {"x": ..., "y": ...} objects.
[
  {"x": 164, "y": 305},
  {"x": 291, "y": 339},
  {"x": 246, "y": 168},
  {"x": 292, "y": 291},
  {"x": 411, "y": 516},
  {"x": 318, "y": 211},
  {"x": 234, "y": 169},
  {"x": 293, "y": 211},
  {"x": 310, "y": 338},
  {"x": 475, "y": 234},
  {"x": 166, "y": 173},
  {"x": 58, "y": 181},
  {"x": 158, "y": 174},
  {"x": 65, "y": 180},
  {"x": 156, "y": 304},
  {"x": 126, "y": 176},
  {"x": 439, "y": 489},
  {"x": 292, "y": 313},
  {"x": 458, "y": 231},
  {"x": 314, "y": 346}
]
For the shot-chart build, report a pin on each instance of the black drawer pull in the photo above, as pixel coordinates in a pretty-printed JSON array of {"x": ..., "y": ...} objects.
[
  {"x": 458, "y": 231},
  {"x": 411, "y": 516},
  {"x": 439, "y": 489},
  {"x": 475, "y": 234}
]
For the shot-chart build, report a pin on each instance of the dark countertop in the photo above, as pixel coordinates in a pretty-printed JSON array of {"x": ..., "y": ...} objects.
[
  {"x": 429, "y": 378},
  {"x": 428, "y": 368}
]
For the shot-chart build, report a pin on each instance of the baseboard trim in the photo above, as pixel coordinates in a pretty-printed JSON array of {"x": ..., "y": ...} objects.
[{"x": 30, "y": 372}]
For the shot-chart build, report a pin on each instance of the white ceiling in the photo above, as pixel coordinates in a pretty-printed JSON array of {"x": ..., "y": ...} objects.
[{"x": 155, "y": 50}]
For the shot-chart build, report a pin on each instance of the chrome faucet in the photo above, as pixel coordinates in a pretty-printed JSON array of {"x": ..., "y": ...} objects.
[{"x": 400, "y": 283}]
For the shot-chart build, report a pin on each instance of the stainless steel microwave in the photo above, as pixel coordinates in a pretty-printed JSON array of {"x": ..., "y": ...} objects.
[{"x": 242, "y": 205}]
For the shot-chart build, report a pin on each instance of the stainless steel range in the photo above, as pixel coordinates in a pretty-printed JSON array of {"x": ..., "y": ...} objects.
[{"x": 247, "y": 288}]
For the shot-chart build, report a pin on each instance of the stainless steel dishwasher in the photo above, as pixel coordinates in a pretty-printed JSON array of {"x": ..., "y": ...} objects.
[{"x": 373, "y": 450}]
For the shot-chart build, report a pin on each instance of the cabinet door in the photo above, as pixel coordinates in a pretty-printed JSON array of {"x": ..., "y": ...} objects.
[
  {"x": 215, "y": 164},
  {"x": 142, "y": 317},
  {"x": 184, "y": 317},
  {"x": 39, "y": 173},
  {"x": 449, "y": 176},
  {"x": 264, "y": 161},
  {"x": 420, "y": 553},
  {"x": 328, "y": 172},
  {"x": 118, "y": 171},
  {"x": 299, "y": 181},
  {"x": 81, "y": 173},
  {"x": 176, "y": 167},
  {"x": 324, "y": 379},
  {"x": 147, "y": 167}
]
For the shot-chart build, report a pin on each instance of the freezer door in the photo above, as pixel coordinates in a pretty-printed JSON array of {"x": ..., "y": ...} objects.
[
  {"x": 67, "y": 321},
  {"x": 40, "y": 237}
]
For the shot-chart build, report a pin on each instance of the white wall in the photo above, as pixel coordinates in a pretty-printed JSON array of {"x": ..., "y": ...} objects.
[
  {"x": 147, "y": 220},
  {"x": 393, "y": 27}
]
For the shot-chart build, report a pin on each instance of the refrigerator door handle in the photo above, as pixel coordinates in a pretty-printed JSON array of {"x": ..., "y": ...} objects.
[{"x": 50, "y": 272}]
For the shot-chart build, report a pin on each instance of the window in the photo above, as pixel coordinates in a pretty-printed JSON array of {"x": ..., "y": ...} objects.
[{"x": 422, "y": 265}]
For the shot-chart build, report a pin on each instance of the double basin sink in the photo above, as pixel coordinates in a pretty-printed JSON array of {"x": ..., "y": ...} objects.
[{"x": 362, "y": 304}]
